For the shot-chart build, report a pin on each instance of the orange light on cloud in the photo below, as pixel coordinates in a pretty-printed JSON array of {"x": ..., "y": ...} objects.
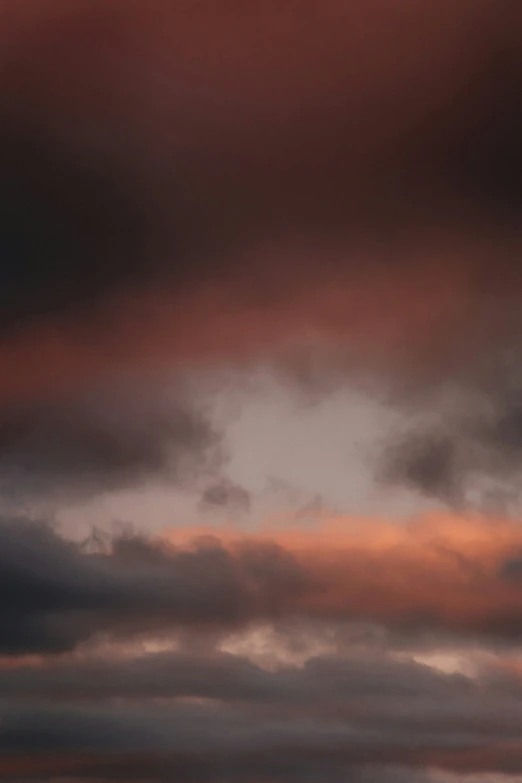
[
  {"x": 406, "y": 318},
  {"x": 440, "y": 571}
]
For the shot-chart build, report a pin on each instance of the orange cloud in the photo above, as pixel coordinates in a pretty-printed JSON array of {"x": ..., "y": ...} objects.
[{"x": 439, "y": 572}]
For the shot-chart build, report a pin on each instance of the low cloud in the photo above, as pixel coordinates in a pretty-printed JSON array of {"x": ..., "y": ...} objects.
[
  {"x": 60, "y": 595},
  {"x": 106, "y": 439},
  {"x": 442, "y": 575},
  {"x": 220, "y": 716}
]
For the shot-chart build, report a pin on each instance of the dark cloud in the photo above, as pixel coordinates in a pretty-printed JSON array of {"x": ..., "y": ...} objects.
[
  {"x": 57, "y": 595},
  {"x": 334, "y": 716},
  {"x": 108, "y": 438},
  {"x": 154, "y": 770},
  {"x": 180, "y": 184},
  {"x": 425, "y": 463},
  {"x": 71, "y": 227},
  {"x": 326, "y": 682},
  {"x": 82, "y": 216},
  {"x": 469, "y": 454},
  {"x": 486, "y": 153},
  {"x": 118, "y": 167},
  {"x": 226, "y": 494}
]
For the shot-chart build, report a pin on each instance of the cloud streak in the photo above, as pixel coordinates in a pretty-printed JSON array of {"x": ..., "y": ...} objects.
[{"x": 221, "y": 715}]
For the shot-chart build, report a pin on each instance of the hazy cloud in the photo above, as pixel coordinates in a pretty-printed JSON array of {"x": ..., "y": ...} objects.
[
  {"x": 109, "y": 438},
  {"x": 227, "y": 494}
]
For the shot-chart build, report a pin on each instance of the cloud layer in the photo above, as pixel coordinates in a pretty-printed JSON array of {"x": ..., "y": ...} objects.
[
  {"x": 219, "y": 715},
  {"x": 119, "y": 170},
  {"x": 186, "y": 184},
  {"x": 448, "y": 577}
]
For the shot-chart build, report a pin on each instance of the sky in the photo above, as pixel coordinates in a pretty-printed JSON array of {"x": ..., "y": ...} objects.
[{"x": 260, "y": 391}]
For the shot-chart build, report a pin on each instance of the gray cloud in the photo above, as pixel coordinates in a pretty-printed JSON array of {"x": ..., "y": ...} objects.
[
  {"x": 105, "y": 439},
  {"x": 334, "y": 716},
  {"x": 425, "y": 462},
  {"x": 327, "y": 682},
  {"x": 226, "y": 494},
  {"x": 469, "y": 452},
  {"x": 55, "y": 594}
]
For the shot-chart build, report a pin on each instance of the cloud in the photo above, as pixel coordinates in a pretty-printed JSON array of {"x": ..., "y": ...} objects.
[
  {"x": 60, "y": 595},
  {"x": 441, "y": 576},
  {"x": 461, "y": 442},
  {"x": 355, "y": 716},
  {"x": 184, "y": 183},
  {"x": 106, "y": 438},
  {"x": 118, "y": 169},
  {"x": 425, "y": 462},
  {"x": 326, "y": 683},
  {"x": 72, "y": 227},
  {"x": 226, "y": 494}
]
